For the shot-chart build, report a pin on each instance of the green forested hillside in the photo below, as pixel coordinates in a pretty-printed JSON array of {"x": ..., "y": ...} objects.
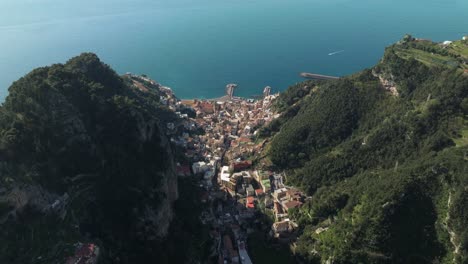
[
  {"x": 384, "y": 155},
  {"x": 83, "y": 158}
]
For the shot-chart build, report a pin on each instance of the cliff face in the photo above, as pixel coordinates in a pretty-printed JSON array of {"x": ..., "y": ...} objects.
[
  {"x": 161, "y": 216},
  {"x": 83, "y": 159}
]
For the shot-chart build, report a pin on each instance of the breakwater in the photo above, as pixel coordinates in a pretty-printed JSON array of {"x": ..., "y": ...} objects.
[{"x": 314, "y": 76}]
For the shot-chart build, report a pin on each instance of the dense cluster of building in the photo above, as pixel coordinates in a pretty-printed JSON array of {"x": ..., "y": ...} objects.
[
  {"x": 218, "y": 138},
  {"x": 227, "y": 147}
]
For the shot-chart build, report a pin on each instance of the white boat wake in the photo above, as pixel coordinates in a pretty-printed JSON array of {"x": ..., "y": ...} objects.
[{"x": 336, "y": 52}]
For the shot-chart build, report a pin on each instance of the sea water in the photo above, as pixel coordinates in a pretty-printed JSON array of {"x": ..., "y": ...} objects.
[{"x": 197, "y": 47}]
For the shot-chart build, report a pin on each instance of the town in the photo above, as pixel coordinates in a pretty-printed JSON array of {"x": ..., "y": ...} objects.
[{"x": 220, "y": 146}]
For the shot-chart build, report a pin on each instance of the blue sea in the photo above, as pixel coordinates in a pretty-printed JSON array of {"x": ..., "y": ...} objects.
[{"x": 197, "y": 47}]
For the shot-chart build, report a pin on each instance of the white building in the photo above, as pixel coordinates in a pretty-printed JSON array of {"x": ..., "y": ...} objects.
[
  {"x": 225, "y": 175},
  {"x": 447, "y": 42}
]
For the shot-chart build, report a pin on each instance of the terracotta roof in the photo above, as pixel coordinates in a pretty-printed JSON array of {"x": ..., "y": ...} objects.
[
  {"x": 188, "y": 102},
  {"x": 242, "y": 165},
  {"x": 292, "y": 204},
  {"x": 244, "y": 139},
  {"x": 250, "y": 202},
  {"x": 206, "y": 107}
]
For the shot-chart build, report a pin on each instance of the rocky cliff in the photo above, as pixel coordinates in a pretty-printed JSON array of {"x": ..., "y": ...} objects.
[{"x": 86, "y": 170}]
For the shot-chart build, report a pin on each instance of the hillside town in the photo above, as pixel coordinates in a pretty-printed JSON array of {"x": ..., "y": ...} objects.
[{"x": 220, "y": 145}]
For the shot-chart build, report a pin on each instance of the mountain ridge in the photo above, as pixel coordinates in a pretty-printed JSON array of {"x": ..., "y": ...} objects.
[
  {"x": 85, "y": 158},
  {"x": 381, "y": 152}
]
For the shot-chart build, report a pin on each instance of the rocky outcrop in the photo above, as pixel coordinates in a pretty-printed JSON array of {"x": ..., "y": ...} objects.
[
  {"x": 169, "y": 187},
  {"x": 387, "y": 83},
  {"x": 154, "y": 221}
]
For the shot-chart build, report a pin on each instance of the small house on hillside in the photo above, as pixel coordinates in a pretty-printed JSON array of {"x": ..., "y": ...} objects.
[
  {"x": 281, "y": 227},
  {"x": 447, "y": 42},
  {"x": 241, "y": 165},
  {"x": 250, "y": 202},
  {"x": 291, "y": 205}
]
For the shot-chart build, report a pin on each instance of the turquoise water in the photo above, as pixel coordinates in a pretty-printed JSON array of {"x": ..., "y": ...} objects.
[{"x": 197, "y": 47}]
